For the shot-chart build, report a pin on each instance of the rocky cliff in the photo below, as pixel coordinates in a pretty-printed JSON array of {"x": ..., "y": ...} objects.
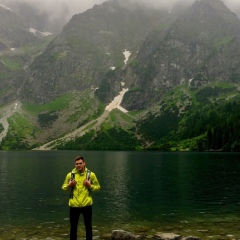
[
  {"x": 201, "y": 46},
  {"x": 90, "y": 45}
]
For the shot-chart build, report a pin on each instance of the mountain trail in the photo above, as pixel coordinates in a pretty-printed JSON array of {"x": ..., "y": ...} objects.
[
  {"x": 7, "y": 112},
  {"x": 90, "y": 125}
]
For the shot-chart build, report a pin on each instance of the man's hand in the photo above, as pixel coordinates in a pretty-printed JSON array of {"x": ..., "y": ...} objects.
[
  {"x": 87, "y": 183},
  {"x": 72, "y": 183}
]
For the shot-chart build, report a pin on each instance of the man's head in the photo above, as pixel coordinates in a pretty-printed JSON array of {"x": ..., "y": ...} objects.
[{"x": 80, "y": 163}]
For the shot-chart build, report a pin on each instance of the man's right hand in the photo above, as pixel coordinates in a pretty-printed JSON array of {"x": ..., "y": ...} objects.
[{"x": 72, "y": 183}]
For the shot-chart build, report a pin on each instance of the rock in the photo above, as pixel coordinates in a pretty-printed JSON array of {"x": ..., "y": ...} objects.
[
  {"x": 191, "y": 238},
  {"x": 167, "y": 236},
  {"x": 121, "y": 234}
]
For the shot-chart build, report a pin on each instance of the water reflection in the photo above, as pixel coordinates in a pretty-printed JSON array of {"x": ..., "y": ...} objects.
[
  {"x": 3, "y": 179},
  {"x": 115, "y": 187},
  {"x": 177, "y": 190}
]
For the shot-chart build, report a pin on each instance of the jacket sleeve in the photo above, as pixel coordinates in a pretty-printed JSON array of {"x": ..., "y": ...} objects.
[
  {"x": 95, "y": 186},
  {"x": 66, "y": 181}
]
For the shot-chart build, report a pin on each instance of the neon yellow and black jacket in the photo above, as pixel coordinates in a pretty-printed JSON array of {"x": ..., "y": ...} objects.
[{"x": 81, "y": 195}]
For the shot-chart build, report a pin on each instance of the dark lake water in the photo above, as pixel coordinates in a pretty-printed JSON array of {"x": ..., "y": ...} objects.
[{"x": 192, "y": 194}]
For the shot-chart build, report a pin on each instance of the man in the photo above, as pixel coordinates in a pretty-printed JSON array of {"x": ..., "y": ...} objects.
[{"x": 81, "y": 182}]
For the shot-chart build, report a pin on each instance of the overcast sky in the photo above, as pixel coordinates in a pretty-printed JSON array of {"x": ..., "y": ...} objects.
[{"x": 71, "y": 7}]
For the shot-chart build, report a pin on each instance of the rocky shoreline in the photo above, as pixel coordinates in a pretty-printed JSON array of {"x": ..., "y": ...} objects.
[
  {"x": 124, "y": 235},
  {"x": 115, "y": 235},
  {"x": 61, "y": 233}
]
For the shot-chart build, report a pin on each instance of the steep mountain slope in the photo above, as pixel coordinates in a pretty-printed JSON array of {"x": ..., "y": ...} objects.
[
  {"x": 14, "y": 31},
  {"x": 200, "y": 47},
  {"x": 18, "y": 46},
  {"x": 36, "y": 18},
  {"x": 31, "y": 125},
  {"x": 89, "y": 46}
]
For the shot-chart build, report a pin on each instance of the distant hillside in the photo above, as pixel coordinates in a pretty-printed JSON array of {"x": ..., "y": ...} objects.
[
  {"x": 36, "y": 17},
  {"x": 200, "y": 47},
  {"x": 18, "y": 46},
  {"x": 90, "y": 45},
  {"x": 14, "y": 31}
]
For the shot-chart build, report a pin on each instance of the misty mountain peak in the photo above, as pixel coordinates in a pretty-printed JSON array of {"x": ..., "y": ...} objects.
[
  {"x": 216, "y": 7},
  {"x": 166, "y": 50},
  {"x": 9, "y": 9},
  {"x": 209, "y": 19}
]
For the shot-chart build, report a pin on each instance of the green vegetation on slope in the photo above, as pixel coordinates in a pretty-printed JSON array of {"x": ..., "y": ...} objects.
[
  {"x": 11, "y": 62},
  {"x": 113, "y": 134},
  {"x": 38, "y": 124},
  {"x": 110, "y": 139},
  {"x": 1, "y": 127},
  {"x": 218, "y": 125},
  {"x": 204, "y": 119},
  {"x": 20, "y": 128},
  {"x": 210, "y": 123},
  {"x": 56, "y": 105}
]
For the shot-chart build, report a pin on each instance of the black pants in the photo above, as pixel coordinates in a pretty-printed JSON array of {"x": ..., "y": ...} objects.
[{"x": 74, "y": 215}]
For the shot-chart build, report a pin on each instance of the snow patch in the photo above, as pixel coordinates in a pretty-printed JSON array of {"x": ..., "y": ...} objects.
[
  {"x": 127, "y": 55},
  {"x": 34, "y": 31},
  {"x": 190, "y": 81},
  {"x": 122, "y": 109},
  {"x": 117, "y": 101},
  {"x": 15, "y": 106}
]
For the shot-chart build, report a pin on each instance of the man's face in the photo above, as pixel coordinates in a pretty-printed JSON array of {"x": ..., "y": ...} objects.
[{"x": 80, "y": 165}]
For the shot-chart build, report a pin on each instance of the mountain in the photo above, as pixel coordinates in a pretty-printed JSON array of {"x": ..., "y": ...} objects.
[
  {"x": 14, "y": 31},
  {"x": 181, "y": 81},
  {"x": 18, "y": 46},
  {"x": 201, "y": 46},
  {"x": 36, "y": 16},
  {"x": 89, "y": 46}
]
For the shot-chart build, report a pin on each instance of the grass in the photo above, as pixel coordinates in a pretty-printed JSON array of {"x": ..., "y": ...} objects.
[
  {"x": 13, "y": 64},
  {"x": 4, "y": 75},
  {"x": 118, "y": 117},
  {"x": 223, "y": 42},
  {"x": 57, "y": 104},
  {"x": 21, "y": 125}
]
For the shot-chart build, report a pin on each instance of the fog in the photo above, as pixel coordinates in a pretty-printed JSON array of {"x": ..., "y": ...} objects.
[
  {"x": 65, "y": 9},
  {"x": 56, "y": 8},
  {"x": 71, "y": 7}
]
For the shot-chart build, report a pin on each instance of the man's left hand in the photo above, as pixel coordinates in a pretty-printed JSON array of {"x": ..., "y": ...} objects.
[{"x": 87, "y": 183}]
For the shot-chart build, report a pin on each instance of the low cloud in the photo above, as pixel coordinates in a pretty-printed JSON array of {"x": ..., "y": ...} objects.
[
  {"x": 67, "y": 8},
  {"x": 231, "y": 4},
  {"x": 77, "y": 6},
  {"x": 56, "y": 8}
]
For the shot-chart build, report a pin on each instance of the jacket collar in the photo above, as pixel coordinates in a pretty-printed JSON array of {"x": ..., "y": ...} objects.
[{"x": 76, "y": 171}]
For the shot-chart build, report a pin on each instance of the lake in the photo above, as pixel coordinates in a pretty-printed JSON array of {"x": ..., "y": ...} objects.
[{"x": 192, "y": 194}]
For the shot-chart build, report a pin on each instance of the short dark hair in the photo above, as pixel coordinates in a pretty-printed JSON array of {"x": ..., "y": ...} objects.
[{"x": 79, "y": 158}]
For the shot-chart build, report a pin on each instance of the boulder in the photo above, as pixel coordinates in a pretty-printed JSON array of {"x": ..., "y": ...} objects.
[
  {"x": 123, "y": 235},
  {"x": 191, "y": 238},
  {"x": 167, "y": 236}
]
